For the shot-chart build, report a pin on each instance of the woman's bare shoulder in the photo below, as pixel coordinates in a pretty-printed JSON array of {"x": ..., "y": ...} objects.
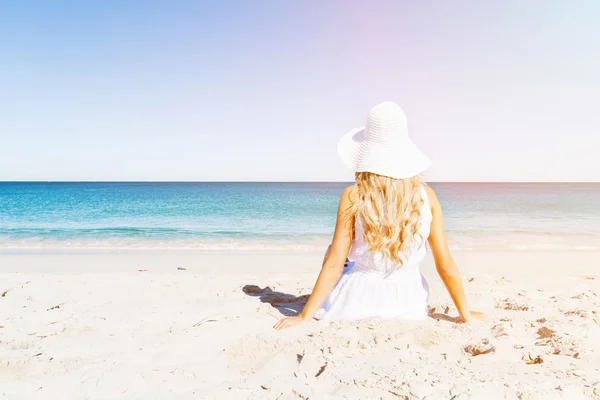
[
  {"x": 430, "y": 192},
  {"x": 432, "y": 197},
  {"x": 350, "y": 192},
  {"x": 349, "y": 196}
]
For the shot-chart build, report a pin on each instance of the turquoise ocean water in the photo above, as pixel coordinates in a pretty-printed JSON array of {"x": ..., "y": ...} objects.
[{"x": 278, "y": 216}]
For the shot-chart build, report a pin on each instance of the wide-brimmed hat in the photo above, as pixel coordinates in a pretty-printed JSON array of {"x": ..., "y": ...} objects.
[{"x": 382, "y": 146}]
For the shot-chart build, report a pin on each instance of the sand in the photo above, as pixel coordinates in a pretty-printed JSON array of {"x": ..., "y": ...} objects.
[{"x": 175, "y": 325}]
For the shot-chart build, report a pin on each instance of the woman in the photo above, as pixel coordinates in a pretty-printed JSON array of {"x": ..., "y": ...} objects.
[{"x": 382, "y": 224}]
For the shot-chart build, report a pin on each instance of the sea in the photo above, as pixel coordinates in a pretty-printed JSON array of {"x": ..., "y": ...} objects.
[{"x": 259, "y": 217}]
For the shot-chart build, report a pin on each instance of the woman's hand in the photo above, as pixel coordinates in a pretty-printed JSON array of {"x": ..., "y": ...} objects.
[{"x": 289, "y": 322}]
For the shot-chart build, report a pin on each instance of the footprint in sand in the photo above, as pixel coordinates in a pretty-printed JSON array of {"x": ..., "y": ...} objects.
[
  {"x": 499, "y": 331},
  {"x": 483, "y": 347},
  {"x": 589, "y": 295},
  {"x": 579, "y": 313},
  {"x": 557, "y": 344},
  {"x": 510, "y": 304}
]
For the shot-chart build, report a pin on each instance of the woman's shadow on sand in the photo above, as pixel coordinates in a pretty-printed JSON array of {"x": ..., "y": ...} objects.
[
  {"x": 290, "y": 305},
  {"x": 287, "y": 304}
]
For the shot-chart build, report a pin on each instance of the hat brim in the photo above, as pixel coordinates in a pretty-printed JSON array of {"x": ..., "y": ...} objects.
[{"x": 399, "y": 160}]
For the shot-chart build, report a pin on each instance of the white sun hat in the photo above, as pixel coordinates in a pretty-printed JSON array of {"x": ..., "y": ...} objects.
[{"x": 382, "y": 146}]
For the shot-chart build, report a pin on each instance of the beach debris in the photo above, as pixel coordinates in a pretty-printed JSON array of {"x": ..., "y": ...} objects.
[
  {"x": 263, "y": 387},
  {"x": 470, "y": 279},
  {"x": 142, "y": 270},
  {"x": 299, "y": 358},
  {"x": 203, "y": 321},
  {"x": 545, "y": 333},
  {"x": 321, "y": 370},
  {"x": 299, "y": 395},
  {"x": 181, "y": 269},
  {"x": 517, "y": 346},
  {"x": 565, "y": 348},
  {"x": 56, "y": 306},
  {"x": 401, "y": 396},
  {"x": 590, "y": 278},
  {"x": 4, "y": 293},
  {"x": 446, "y": 310},
  {"x": 530, "y": 360},
  {"x": 36, "y": 355}
]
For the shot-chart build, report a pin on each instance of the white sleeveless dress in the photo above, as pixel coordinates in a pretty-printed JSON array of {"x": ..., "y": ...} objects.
[{"x": 373, "y": 287}]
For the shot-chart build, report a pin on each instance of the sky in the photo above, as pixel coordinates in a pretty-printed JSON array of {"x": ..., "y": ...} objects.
[{"x": 262, "y": 90}]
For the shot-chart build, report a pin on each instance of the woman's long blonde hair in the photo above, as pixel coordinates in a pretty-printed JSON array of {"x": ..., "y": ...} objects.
[{"x": 389, "y": 211}]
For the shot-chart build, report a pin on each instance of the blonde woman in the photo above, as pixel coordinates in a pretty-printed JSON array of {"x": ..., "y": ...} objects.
[{"x": 383, "y": 222}]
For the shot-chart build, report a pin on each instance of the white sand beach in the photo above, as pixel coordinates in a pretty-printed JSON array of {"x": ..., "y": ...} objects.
[{"x": 184, "y": 325}]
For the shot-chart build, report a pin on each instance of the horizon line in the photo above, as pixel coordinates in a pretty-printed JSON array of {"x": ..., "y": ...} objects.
[{"x": 276, "y": 181}]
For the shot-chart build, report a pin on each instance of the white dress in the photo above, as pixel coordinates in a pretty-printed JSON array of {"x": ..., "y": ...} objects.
[{"x": 373, "y": 287}]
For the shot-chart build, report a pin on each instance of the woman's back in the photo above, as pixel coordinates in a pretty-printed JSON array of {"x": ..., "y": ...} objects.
[
  {"x": 378, "y": 285},
  {"x": 374, "y": 262}
]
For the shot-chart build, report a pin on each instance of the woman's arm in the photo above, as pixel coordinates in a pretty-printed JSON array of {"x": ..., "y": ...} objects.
[
  {"x": 333, "y": 264},
  {"x": 444, "y": 263}
]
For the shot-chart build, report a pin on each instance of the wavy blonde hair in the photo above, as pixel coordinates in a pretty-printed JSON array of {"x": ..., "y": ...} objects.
[{"x": 389, "y": 210}]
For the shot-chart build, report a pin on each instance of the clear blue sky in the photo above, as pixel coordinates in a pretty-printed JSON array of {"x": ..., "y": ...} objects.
[{"x": 262, "y": 90}]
